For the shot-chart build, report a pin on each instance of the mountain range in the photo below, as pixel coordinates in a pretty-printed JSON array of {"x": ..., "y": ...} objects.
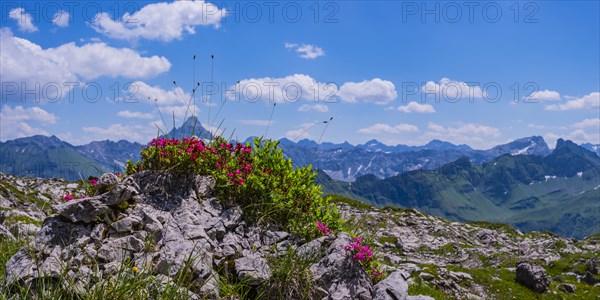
[
  {"x": 559, "y": 192},
  {"x": 522, "y": 183},
  {"x": 50, "y": 157}
]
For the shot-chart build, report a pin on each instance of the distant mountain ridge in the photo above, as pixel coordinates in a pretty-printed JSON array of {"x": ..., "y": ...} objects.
[
  {"x": 558, "y": 192},
  {"x": 346, "y": 162},
  {"x": 341, "y": 161}
]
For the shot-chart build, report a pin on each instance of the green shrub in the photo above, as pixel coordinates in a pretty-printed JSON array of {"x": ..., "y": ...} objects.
[{"x": 257, "y": 177}]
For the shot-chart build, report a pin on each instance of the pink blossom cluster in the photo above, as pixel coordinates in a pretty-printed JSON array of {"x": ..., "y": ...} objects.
[
  {"x": 69, "y": 197},
  {"x": 359, "y": 251},
  {"x": 377, "y": 273},
  {"x": 323, "y": 228},
  {"x": 163, "y": 142},
  {"x": 93, "y": 181},
  {"x": 232, "y": 160}
]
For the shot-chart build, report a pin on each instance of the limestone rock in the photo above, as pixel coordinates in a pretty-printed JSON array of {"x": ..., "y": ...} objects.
[
  {"x": 533, "y": 277},
  {"x": 338, "y": 275},
  {"x": 393, "y": 287},
  {"x": 253, "y": 268},
  {"x": 85, "y": 210}
]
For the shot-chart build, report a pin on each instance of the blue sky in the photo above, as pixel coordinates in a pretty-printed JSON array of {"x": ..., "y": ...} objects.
[{"x": 400, "y": 72}]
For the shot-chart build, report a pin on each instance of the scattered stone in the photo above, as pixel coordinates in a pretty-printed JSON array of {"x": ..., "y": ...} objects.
[
  {"x": 107, "y": 181},
  {"x": 391, "y": 288},
  {"x": 126, "y": 224},
  {"x": 86, "y": 210},
  {"x": 338, "y": 276},
  {"x": 5, "y": 234},
  {"x": 592, "y": 266},
  {"x": 426, "y": 276},
  {"x": 567, "y": 288},
  {"x": 253, "y": 268},
  {"x": 589, "y": 278},
  {"x": 420, "y": 297},
  {"x": 532, "y": 276},
  {"x": 24, "y": 229}
]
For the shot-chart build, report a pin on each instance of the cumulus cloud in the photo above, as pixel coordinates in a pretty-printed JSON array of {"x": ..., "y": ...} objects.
[
  {"x": 91, "y": 61},
  {"x": 297, "y": 87},
  {"x": 27, "y": 65},
  {"x": 141, "y": 133},
  {"x": 23, "y": 19},
  {"x": 587, "y": 123},
  {"x": 306, "y": 51},
  {"x": 134, "y": 115},
  {"x": 414, "y": 107},
  {"x": 148, "y": 94},
  {"x": 61, "y": 18},
  {"x": 290, "y": 89},
  {"x": 447, "y": 89},
  {"x": 590, "y": 101},
  {"x": 385, "y": 128},
  {"x": 302, "y": 132},
  {"x": 545, "y": 95},
  {"x": 17, "y": 122},
  {"x": 313, "y": 107},
  {"x": 160, "y": 21},
  {"x": 376, "y": 91},
  {"x": 475, "y": 135},
  {"x": 581, "y": 136},
  {"x": 179, "y": 111}
]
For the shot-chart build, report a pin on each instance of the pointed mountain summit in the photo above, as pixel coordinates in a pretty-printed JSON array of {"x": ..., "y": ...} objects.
[
  {"x": 568, "y": 159},
  {"x": 191, "y": 127},
  {"x": 533, "y": 145}
]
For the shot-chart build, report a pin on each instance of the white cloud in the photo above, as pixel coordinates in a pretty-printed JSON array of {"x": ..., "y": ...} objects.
[
  {"x": 160, "y": 21},
  {"x": 551, "y": 139},
  {"x": 590, "y": 101},
  {"x": 179, "y": 111},
  {"x": 313, "y": 107},
  {"x": 306, "y": 51},
  {"x": 134, "y": 115},
  {"x": 147, "y": 93},
  {"x": 23, "y": 19},
  {"x": 302, "y": 132},
  {"x": 27, "y": 65},
  {"x": 255, "y": 122},
  {"x": 141, "y": 133},
  {"x": 385, "y": 128},
  {"x": 594, "y": 123},
  {"x": 447, "y": 89},
  {"x": 474, "y": 135},
  {"x": 290, "y": 89},
  {"x": 297, "y": 87},
  {"x": 369, "y": 91},
  {"x": 580, "y": 136},
  {"x": 545, "y": 95},
  {"x": 15, "y": 122},
  {"x": 417, "y": 108},
  {"x": 91, "y": 61},
  {"x": 61, "y": 18}
]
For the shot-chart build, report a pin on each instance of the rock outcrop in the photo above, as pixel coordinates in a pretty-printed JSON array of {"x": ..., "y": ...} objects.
[
  {"x": 533, "y": 277},
  {"x": 168, "y": 224}
]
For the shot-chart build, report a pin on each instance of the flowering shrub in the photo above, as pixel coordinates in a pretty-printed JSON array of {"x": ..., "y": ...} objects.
[
  {"x": 257, "y": 177},
  {"x": 322, "y": 228},
  {"x": 363, "y": 254}
]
